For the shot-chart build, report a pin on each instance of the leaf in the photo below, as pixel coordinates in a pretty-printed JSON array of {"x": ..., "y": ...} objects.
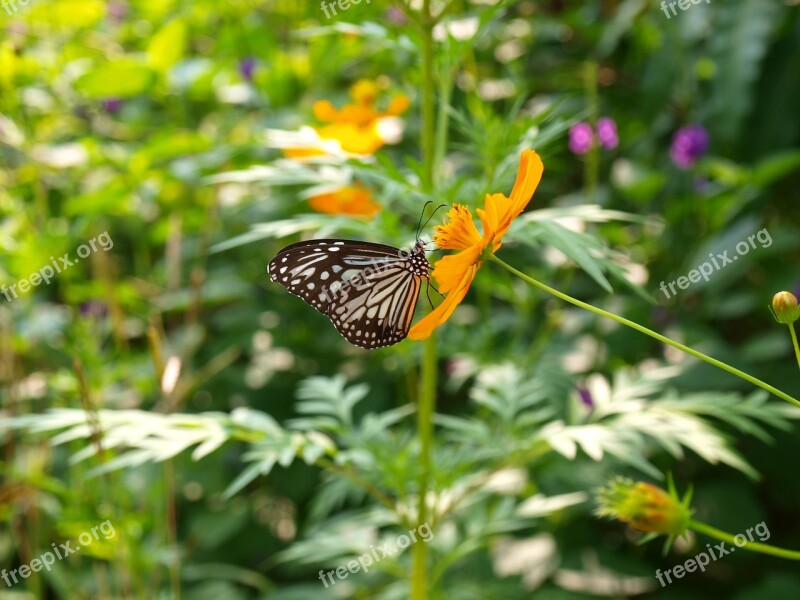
[
  {"x": 64, "y": 15},
  {"x": 244, "y": 478},
  {"x": 540, "y": 505},
  {"x": 620, "y": 24},
  {"x": 776, "y": 167},
  {"x": 575, "y": 246},
  {"x": 121, "y": 79},
  {"x": 742, "y": 32},
  {"x": 167, "y": 46}
]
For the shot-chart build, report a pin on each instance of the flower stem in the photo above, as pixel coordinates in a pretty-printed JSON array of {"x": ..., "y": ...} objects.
[
  {"x": 427, "y": 390},
  {"x": 427, "y": 400},
  {"x": 794, "y": 342},
  {"x": 646, "y": 331},
  {"x": 428, "y": 127},
  {"x": 753, "y": 546},
  {"x": 591, "y": 165}
]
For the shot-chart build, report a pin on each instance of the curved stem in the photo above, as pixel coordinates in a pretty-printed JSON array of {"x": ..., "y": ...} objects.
[
  {"x": 752, "y": 546},
  {"x": 794, "y": 342},
  {"x": 591, "y": 165},
  {"x": 646, "y": 331}
]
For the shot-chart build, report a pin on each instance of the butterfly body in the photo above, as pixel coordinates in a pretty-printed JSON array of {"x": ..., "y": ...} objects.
[{"x": 368, "y": 291}]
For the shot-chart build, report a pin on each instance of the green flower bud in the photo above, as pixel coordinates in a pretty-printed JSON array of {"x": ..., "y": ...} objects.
[
  {"x": 645, "y": 507},
  {"x": 784, "y": 307}
]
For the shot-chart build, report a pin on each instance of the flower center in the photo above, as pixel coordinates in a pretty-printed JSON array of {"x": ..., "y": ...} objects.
[{"x": 459, "y": 231}]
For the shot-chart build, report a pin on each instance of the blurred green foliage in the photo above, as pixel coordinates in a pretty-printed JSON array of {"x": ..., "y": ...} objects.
[{"x": 131, "y": 117}]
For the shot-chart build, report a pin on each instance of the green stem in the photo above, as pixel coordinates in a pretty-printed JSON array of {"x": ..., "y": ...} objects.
[
  {"x": 428, "y": 127},
  {"x": 592, "y": 163},
  {"x": 427, "y": 389},
  {"x": 646, "y": 331},
  {"x": 442, "y": 117},
  {"x": 427, "y": 401},
  {"x": 794, "y": 342},
  {"x": 753, "y": 546}
]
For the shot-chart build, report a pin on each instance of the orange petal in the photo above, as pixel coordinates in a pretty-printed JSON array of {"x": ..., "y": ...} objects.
[
  {"x": 357, "y": 114},
  {"x": 350, "y": 200},
  {"x": 449, "y": 269},
  {"x": 441, "y": 313},
  {"x": 398, "y": 105},
  {"x": 353, "y": 139},
  {"x": 364, "y": 91},
  {"x": 302, "y": 152},
  {"x": 500, "y": 211},
  {"x": 490, "y": 215},
  {"x": 528, "y": 177},
  {"x": 324, "y": 111}
]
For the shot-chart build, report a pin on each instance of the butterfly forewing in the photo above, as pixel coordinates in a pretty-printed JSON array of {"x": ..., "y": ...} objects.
[{"x": 369, "y": 291}]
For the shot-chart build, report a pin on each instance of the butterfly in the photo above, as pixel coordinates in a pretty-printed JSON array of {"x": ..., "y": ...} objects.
[{"x": 368, "y": 291}]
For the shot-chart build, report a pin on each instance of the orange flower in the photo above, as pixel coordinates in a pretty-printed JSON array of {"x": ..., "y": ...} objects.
[
  {"x": 355, "y": 200},
  {"x": 358, "y": 127},
  {"x": 455, "y": 273}
]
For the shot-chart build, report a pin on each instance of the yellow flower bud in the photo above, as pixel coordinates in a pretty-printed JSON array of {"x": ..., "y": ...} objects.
[{"x": 784, "y": 307}]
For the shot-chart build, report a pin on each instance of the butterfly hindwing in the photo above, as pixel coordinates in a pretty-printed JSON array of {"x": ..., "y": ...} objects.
[{"x": 368, "y": 291}]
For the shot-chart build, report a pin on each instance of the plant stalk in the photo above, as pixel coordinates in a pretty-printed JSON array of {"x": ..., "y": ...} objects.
[
  {"x": 794, "y": 343},
  {"x": 592, "y": 163},
  {"x": 646, "y": 331},
  {"x": 427, "y": 388},
  {"x": 752, "y": 546}
]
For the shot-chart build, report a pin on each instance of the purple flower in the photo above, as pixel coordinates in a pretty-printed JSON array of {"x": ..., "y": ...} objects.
[
  {"x": 586, "y": 398},
  {"x": 111, "y": 105},
  {"x": 93, "y": 309},
  {"x": 607, "y": 133},
  {"x": 247, "y": 67},
  {"x": 395, "y": 16},
  {"x": 688, "y": 144},
  {"x": 702, "y": 186},
  {"x": 580, "y": 138},
  {"x": 117, "y": 11}
]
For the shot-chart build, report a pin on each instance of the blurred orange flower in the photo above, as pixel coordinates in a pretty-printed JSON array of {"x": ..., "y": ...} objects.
[
  {"x": 358, "y": 127},
  {"x": 355, "y": 200},
  {"x": 455, "y": 273}
]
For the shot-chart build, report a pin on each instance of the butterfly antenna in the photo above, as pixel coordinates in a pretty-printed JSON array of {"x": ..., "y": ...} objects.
[
  {"x": 435, "y": 210},
  {"x": 422, "y": 214}
]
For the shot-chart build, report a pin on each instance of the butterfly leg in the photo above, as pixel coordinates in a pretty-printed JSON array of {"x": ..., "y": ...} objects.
[{"x": 428, "y": 291}]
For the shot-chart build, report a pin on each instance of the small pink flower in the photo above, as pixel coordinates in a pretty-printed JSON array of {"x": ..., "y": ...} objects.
[
  {"x": 688, "y": 145},
  {"x": 607, "y": 133},
  {"x": 580, "y": 138}
]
